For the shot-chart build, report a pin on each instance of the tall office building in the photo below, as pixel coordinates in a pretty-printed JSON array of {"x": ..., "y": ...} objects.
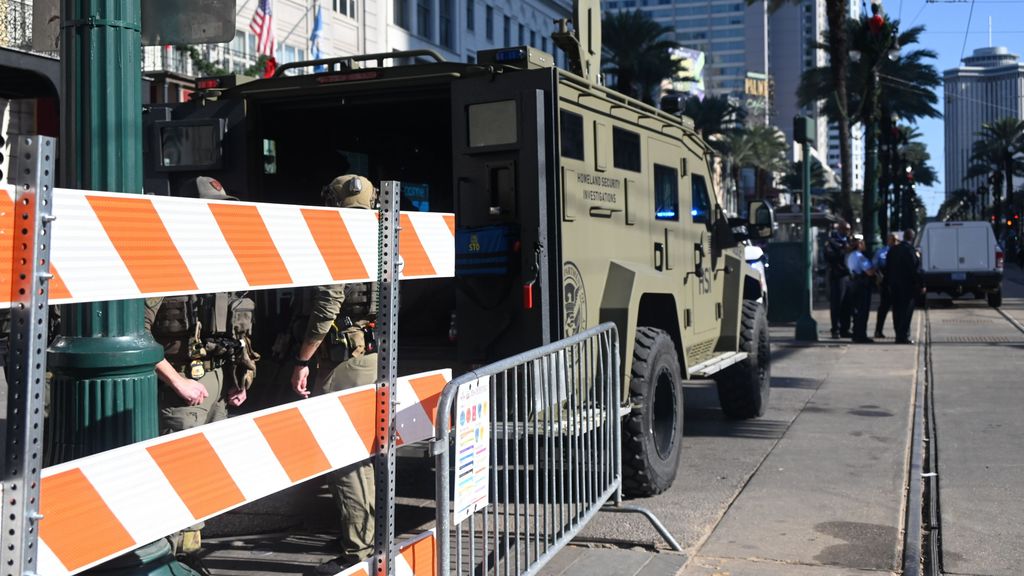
[
  {"x": 988, "y": 86},
  {"x": 455, "y": 29},
  {"x": 732, "y": 35}
]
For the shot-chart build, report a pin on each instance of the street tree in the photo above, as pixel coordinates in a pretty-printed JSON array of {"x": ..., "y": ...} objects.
[
  {"x": 995, "y": 154},
  {"x": 636, "y": 51}
]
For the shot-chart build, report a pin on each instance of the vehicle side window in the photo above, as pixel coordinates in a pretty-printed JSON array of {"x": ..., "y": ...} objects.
[
  {"x": 626, "y": 149},
  {"x": 666, "y": 193},
  {"x": 701, "y": 208},
  {"x": 572, "y": 135}
]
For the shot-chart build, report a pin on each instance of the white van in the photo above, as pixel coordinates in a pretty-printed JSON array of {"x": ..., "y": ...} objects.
[{"x": 960, "y": 257}]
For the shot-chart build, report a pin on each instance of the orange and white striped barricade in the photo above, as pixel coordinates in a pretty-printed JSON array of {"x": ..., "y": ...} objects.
[
  {"x": 106, "y": 246},
  {"x": 135, "y": 494}
]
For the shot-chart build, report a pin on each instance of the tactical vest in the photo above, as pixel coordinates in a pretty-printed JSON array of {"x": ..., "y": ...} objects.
[
  {"x": 360, "y": 301},
  {"x": 208, "y": 331}
]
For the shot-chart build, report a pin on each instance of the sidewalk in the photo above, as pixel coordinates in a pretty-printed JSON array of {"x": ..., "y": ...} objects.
[{"x": 813, "y": 487}]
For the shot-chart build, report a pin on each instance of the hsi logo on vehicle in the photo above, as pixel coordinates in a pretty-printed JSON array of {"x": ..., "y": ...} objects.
[{"x": 574, "y": 299}]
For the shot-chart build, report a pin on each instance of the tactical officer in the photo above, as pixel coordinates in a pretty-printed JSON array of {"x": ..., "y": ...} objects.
[
  {"x": 862, "y": 275},
  {"x": 836, "y": 249},
  {"x": 338, "y": 342},
  {"x": 208, "y": 359}
]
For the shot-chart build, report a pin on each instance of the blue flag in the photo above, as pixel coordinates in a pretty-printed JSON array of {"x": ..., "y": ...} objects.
[{"x": 314, "y": 39}]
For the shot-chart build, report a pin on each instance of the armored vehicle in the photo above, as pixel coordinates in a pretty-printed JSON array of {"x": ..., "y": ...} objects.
[{"x": 574, "y": 205}]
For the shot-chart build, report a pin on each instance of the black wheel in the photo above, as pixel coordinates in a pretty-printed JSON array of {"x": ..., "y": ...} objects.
[
  {"x": 995, "y": 299},
  {"x": 652, "y": 434},
  {"x": 743, "y": 388}
]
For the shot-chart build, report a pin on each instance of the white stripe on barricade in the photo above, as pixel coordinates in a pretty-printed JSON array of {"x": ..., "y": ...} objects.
[
  {"x": 109, "y": 246},
  {"x": 136, "y": 494}
]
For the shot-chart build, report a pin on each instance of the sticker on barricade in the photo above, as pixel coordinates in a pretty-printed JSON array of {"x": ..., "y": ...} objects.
[
  {"x": 109, "y": 246},
  {"x": 416, "y": 557},
  {"x": 101, "y": 506}
]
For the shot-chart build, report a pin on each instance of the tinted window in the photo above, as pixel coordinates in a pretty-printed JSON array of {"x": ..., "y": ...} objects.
[
  {"x": 626, "y": 149},
  {"x": 701, "y": 208},
  {"x": 666, "y": 193},
  {"x": 572, "y": 135},
  {"x": 492, "y": 124}
]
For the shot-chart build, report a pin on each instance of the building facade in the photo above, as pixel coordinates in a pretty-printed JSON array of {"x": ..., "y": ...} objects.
[
  {"x": 455, "y": 29},
  {"x": 989, "y": 86},
  {"x": 732, "y": 35}
]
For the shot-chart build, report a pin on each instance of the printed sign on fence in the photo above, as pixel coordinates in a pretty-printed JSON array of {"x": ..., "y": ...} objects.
[{"x": 472, "y": 448}]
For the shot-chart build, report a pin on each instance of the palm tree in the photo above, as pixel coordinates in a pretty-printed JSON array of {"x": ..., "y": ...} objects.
[
  {"x": 794, "y": 177},
  {"x": 904, "y": 85},
  {"x": 636, "y": 51},
  {"x": 713, "y": 115},
  {"x": 995, "y": 151},
  {"x": 836, "y": 45},
  {"x": 762, "y": 148}
]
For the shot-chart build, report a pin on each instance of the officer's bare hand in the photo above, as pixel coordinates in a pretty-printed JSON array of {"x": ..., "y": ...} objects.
[
  {"x": 190, "y": 391},
  {"x": 236, "y": 396},
  {"x": 300, "y": 376}
]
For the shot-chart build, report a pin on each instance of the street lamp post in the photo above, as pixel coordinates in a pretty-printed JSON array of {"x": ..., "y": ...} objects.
[{"x": 804, "y": 132}]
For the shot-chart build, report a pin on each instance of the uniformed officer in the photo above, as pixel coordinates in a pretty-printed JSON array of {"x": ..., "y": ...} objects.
[
  {"x": 903, "y": 268},
  {"x": 338, "y": 343},
  {"x": 836, "y": 249},
  {"x": 208, "y": 359},
  {"x": 883, "y": 284},
  {"x": 862, "y": 275}
]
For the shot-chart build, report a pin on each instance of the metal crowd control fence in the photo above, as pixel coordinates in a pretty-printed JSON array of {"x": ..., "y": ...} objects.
[
  {"x": 554, "y": 456},
  {"x": 105, "y": 495}
]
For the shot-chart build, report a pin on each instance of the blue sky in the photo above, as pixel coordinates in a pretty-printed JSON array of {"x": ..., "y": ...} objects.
[{"x": 946, "y": 28}]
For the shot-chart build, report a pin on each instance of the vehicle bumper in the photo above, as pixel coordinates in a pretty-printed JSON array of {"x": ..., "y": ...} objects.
[{"x": 963, "y": 282}]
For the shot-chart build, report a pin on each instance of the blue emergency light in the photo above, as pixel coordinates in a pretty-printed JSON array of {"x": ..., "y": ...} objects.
[{"x": 510, "y": 55}]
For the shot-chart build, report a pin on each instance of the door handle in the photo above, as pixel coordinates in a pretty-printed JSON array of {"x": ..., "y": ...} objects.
[
  {"x": 659, "y": 256},
  {"x": 698, "y": 249}
]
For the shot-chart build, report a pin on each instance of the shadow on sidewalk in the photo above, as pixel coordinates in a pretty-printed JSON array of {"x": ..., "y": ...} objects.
[{"x": 704, "y": 417}]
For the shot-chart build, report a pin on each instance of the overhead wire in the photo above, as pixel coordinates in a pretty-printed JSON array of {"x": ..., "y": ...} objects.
[{"x": 969, "y": 17}]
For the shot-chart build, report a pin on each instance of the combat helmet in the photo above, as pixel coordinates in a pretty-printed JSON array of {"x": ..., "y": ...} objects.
[
  {"x": 208, "y": 189},
  {"x": 350, "y": 191}
]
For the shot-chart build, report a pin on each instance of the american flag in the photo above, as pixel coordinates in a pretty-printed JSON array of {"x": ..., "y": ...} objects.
[{"x": 262, "y": 26}]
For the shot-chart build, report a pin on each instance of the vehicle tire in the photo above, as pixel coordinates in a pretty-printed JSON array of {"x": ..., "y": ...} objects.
[
  {"x": 652, "y": 433},
  {"x": 995, "y": 299},
  {"x": 743, "y": 388}
]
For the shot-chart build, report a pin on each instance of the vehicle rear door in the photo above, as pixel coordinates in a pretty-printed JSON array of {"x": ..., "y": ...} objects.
[
  {"x": 501, "y": 139},
  {"x": 973, "y": 250}
]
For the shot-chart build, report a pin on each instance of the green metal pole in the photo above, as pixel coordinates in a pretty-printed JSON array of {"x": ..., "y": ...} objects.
[
  {"x": 806, "y": 325},
  {"x": 104, "y": 390}
]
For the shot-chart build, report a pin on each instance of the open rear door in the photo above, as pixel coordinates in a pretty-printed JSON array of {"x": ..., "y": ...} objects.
[{"x": 502, "y": 162}]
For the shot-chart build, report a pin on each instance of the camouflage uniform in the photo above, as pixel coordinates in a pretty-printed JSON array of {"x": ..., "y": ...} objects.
[
  {"x": 339, "y": 318},
  {"x": 353, "y": 486}
]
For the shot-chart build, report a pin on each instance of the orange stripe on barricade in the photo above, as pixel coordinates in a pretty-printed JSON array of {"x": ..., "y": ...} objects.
[
  {"x": 449, "y": 219},
  {"x": 293, "y": 443},
  {"x": 417, "y": 263},
  {"x": 140, "y": 238},
  {"x": 362, "y": 410},
  {"x": 251, "y": 243},
  {"x": 428, "y": 390},
  {"x": 197, "y": 474},
  {"x": 6, "y": 242},
  {"x": 77, "y": 524},
  {"x": 421, "y": 556},
  {"x": 335, "y": 244}
]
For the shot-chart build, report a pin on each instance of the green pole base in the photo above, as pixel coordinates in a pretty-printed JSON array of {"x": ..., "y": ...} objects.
[
  {"x": 807, "y": 328},
  {"x": 154, "y": 559}
]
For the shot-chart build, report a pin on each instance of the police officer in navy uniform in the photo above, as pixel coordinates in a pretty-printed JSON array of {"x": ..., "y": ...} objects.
[
  {"x": 836, "y": 249},
  {"x": 903, "y": 268},
  {"x": 338, "y": 343},
  {"x": 862, "y": 277},
  {"x": 884, "y": 300}
]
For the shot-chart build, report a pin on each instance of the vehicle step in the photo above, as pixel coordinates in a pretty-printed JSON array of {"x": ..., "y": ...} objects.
[{"x": 717, "y": 364}]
